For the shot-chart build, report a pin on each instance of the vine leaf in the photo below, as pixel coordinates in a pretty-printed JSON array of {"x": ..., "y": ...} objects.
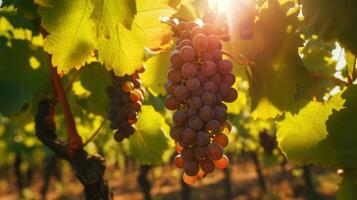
[
  {"x": 149, "y": 142},
  {"x": 153, "y": 33},
  {"x": 95, "y": 78},
  {"x": 299, "y": 135},
  {"x": 107, "y": 13},
  {"x": 338, "y": 26},
  {"x": 71, "y": 40},
  {"x": 122, "y": 51},
  {"x": 23, "y": 76},
  {"x": 154, "y": 78},
  {"x": 342, "y": 138}
]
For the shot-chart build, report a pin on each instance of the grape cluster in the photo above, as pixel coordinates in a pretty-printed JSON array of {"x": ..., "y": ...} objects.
[
  {"x": 199, "y": 81},
  {"x": 126, "y": 96}
]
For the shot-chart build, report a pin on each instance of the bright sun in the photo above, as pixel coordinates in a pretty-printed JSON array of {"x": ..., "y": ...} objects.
[{"x": 221, "y": 5}]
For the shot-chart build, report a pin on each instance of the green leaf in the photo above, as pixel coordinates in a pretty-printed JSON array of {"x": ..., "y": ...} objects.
[
  {"x": 337, "y": 26},
  {"x": 27, "y": 7},
  {"x": 154, "y": 78},
  {"x": 95, "y": 78},
  {"x": 342, "y": 139},
  {"x": 299, "y": 135},
  {"x": 20, "y": 78},
  {"x": 71, "y": 39},
  {"x": 351, "y": 65},
  {"x": 153, "y": 33},
  {"x": 122, "y": 52},
  {"x": 107, "y": 13},
  {"x": 18, "y": 20},
  {"x": 149, "y": 141}
]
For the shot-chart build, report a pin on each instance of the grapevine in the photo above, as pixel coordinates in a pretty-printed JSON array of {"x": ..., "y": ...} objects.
[{"x": 199, "y": 81}]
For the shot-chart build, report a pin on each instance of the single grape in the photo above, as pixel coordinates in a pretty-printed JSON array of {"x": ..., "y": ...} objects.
[
  {"x": 118, "y": 136},
  {"x": 190, "y": 113},
  {"x": 132, "y": 116},
  {"x": 185, "y": 35},
  {"x": 179, "y": 117},
  {"x": 229, "y": 78},
  {"x": 207, "y": 56},
  {"x": 183, "y": 43},
  {"x": 210, "y": 86},
  {"x": 188, "y": 136},
  {"x": 223, "y": 89},
  {"x": 213, "y": 126},
  {"x": 195, "y": 103},
  {"x": 200, "y": 42},
  {"x": 221, "y": 114},
  {"x": 222, "y": 163},
  {"x": 203, "y": 78},
  {"x": 225, "y": 67},
  {"x": 172, "y": 103},
  {"x": 206, "y": 113},
  {"x": 214, "y": 151},
  {"x": 207, "y": 166},
  {"x": 176, "y": 132},
  {"x": 216, "y": 55},
  {"x": 193, "y": 84},
  {"x": 187, "y": 54},
  {"x": 216, "y": 79},
  {"x": 208, "y": 99},
  {"x": 191, "y": 168},
  {"x": 179, "y": 162},
  {"x": 176, "y": 59},
  {"x": 221, "y": 139},
  {"x": 174, "y": 75},
  {"x": 231, "y": 95},
  {"x": 181, "y": 92},
  {"x": 202, "y": 138},
  {"x": 189, "y": 180},
  {"x": 200, "y": 152},
  {"x": 137, "y": 83},
  {"x": 197, "y": 93},
  {"x": 188, "y": 70},
  {"x": 136, "y": 105},
  {"x": 195, "y": 123},
  {"x": 198, "y": 30},
  {"x": 208, "y": 68},
  {"x": 136, "y": 95},
  {"x": 128, "y": 86},
  {"x": 187, "y": 154},
  {"x": 213, "y": 42},
  {"x": 127, "y": 129}
]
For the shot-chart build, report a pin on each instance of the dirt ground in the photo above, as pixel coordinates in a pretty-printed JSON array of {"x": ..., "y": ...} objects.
[{"x": 166, "y": 185}]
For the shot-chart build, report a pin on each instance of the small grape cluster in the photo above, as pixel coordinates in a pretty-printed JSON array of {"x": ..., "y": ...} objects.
[
  {"x": 199, "y": 81},
  {"x": 126, "y": 96}
]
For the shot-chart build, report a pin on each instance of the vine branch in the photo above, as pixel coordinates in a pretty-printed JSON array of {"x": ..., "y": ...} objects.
[
  {"x": 331, "y": 78},
  {"x": 75, "y": 141}
]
